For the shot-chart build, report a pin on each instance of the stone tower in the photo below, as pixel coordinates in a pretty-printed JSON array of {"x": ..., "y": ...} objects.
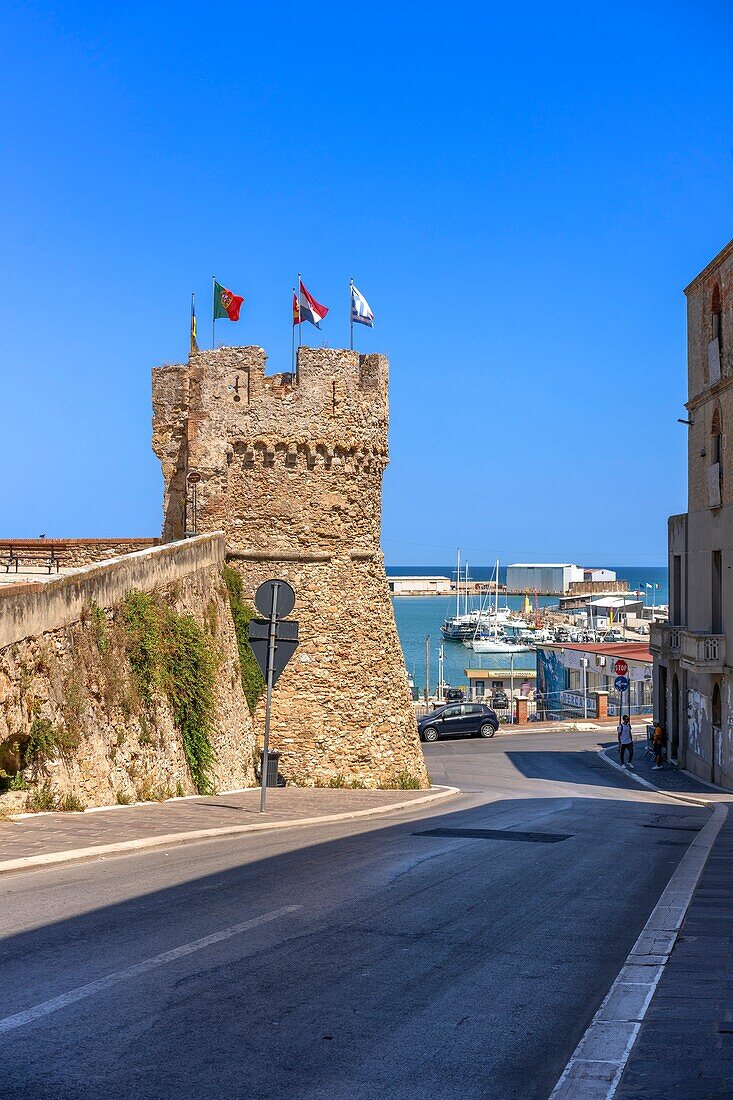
[{"x": 291, "y": 470}]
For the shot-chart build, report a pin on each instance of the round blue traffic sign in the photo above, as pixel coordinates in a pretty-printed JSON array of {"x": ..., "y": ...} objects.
[{"x": 621, "y": 683}]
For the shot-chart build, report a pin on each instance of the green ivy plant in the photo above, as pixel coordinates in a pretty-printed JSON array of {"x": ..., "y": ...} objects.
[
  {"x": 171, "y": 654},
  {"x": 253, "y": 684}
]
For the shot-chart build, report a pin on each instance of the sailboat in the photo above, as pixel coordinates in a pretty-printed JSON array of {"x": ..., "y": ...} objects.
[
  {"x": 462, "y": 625},
  {"x": 497, "y": 640}
]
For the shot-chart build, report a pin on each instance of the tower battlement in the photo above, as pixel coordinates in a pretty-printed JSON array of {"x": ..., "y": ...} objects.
[
  {"x": 243, "y": 434},
  {"x": 338, "y": 395}
]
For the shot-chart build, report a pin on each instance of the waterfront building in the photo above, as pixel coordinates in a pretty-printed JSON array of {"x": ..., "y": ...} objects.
[
  {"x": 483, "y": 682},
  {"x": 693, "y": 677},
  {"x": 551, "y": 580},
  {"x": 570, "y": 674},
  {"x": 420, "y": 586}
]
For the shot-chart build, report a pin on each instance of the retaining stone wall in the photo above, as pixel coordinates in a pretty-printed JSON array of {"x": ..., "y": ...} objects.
[{"x": 52, "y": 667}]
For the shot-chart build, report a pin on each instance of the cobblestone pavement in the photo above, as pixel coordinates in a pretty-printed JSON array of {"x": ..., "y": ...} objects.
[
  {"x": 56, "y": 832},
  {"x": 684, "y": 1050}
]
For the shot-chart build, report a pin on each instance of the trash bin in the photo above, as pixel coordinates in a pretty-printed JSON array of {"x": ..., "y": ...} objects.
[{"x": 273, "y": 763}]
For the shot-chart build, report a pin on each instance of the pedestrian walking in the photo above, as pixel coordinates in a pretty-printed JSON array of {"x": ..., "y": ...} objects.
[
  {"x": 658, "y": 740},
  {"x": 625, "y": 741}
]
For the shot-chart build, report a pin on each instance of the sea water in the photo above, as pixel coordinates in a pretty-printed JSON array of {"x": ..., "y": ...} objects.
[{"x": 418, "y": 616}]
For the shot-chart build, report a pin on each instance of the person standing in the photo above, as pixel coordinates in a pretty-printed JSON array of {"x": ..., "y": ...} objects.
[
  {"x": 658, "y": 746},
  {"x": 625, "y": 741}
]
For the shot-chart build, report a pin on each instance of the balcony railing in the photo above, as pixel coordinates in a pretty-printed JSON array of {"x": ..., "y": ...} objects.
[
  {"x": 702, "y": 652},
  {"x": 665, "y": 640}
]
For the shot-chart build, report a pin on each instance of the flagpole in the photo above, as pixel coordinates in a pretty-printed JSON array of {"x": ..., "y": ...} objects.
[
  {"x": 213, "y": 312},
  {"x": 193, "y": 318},
  {"x": 300, "y": 324},
  {"x": 351, "y": 314},
  {"x": 292, "y": 338}
]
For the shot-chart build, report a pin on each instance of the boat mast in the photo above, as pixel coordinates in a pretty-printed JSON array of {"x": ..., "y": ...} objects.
[
  {"x": 458, "y": 582},
  {"x": 496, "y": 600},
  {"x": 465, "y": 591}
]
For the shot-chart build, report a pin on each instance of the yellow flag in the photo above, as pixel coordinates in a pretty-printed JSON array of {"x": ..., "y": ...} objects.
[{"x": 194, "y": 344}]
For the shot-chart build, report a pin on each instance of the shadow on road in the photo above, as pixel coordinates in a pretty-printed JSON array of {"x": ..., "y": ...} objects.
[{"x": 567, "y": 766}]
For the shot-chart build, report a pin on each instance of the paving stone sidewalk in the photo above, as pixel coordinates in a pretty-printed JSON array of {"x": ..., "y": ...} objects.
[
  {"x": 684, "y": 1050},
  {"x": 59, "y": 832},
  {"x": 670, "y": 779}
]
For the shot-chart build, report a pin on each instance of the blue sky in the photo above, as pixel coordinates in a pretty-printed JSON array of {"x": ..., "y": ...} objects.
[{"x": 521, "y": 192}]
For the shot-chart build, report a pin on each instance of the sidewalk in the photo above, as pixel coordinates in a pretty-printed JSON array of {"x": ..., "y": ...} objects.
[
  {"x": 52, "y": 838},
  {"x": 670, "y": 779},
  {"x": 684, "y": 1048}
]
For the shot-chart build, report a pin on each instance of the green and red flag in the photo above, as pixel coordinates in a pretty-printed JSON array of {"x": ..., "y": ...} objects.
[{"x": 226, "y": 304}]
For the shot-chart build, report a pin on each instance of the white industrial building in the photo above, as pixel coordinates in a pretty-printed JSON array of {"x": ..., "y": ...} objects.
[
  {"x": 551, "y": 580},
  {"x": 597, "y": 575},
  {"x": 420, "y": 586}
]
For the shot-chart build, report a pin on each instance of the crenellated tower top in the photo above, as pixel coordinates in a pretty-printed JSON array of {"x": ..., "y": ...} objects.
[{"x": 240, "y": 449}]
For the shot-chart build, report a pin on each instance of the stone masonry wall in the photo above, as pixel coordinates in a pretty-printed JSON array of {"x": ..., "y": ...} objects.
[
  {"x": 64, "y": 675},
  {"x": 291, "y": 470},
  {"x": 74, "y": 552}
]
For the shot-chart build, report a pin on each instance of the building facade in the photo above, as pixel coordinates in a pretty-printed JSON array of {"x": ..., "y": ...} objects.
[
  {"x": 549, "y": 579},
  {"x": 572, "y": 677},
  {"x": 693, "y": 679}
]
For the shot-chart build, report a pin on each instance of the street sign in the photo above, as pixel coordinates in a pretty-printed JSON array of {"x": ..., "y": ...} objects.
[
  {"x": 621, "y": 683},
  {"x": 194, "y": 478},
  {"x": 264, "y": 597},
  {"x": 273, "y": 644},
  {"x": 621, "y": 668},
  {"x": 286, "y": 642}
]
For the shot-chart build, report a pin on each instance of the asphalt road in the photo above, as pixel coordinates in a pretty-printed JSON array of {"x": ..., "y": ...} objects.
[{"x": 414, "y": 966}]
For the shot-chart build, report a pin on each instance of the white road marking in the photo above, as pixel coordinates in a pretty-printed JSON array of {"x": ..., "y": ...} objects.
[
  {"x": 599, "y": 1060},
  {"x": 10, "y": 1023}
]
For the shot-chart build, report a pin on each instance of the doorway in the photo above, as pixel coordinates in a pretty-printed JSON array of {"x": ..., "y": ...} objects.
[
  {"x": 675, "y": 744},
  {"x": 716, "y": 741}
]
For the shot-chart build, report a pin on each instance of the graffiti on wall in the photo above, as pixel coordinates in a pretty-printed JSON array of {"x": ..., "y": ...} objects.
[
  {"x": 697, "y": 713},
  {"x": 552, "y": 678}
]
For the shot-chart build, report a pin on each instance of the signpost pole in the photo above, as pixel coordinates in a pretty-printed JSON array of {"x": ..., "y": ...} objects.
[
  {"x": 585, "y": 686},
  {"x": 427, "y": 667},
  {"x": 271, "y": 636}
]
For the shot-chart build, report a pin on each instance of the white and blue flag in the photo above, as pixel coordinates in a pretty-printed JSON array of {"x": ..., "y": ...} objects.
[{"x": 361, "y": 314}]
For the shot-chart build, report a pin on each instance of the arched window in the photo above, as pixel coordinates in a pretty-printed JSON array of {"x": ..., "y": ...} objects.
[{"x": 716, "y": 436}]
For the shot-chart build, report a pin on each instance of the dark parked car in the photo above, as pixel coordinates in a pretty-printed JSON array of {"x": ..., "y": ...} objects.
[
  {"x": 454, "y": 695},
  {"x": 459, "y": 720},
  {"x": 500, "y": 700}
]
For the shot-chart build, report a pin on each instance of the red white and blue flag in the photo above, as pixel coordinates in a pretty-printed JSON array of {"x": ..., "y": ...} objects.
[{"x": 306, "y": 308}]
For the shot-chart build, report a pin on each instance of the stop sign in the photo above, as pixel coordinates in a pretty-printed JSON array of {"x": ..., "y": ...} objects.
[{"x": 621, "y": 668}]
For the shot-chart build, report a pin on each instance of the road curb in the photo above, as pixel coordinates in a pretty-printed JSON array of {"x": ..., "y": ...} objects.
[
  {"x": 599, "y": 1060},
  {"x": 167, "y": 840}
]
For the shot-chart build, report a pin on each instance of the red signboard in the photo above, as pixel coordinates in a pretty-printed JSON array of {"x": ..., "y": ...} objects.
[{"x": 621, "y": 668}]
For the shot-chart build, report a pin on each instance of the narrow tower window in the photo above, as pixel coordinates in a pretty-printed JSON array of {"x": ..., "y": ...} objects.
[{"x": 717, "y": 318}]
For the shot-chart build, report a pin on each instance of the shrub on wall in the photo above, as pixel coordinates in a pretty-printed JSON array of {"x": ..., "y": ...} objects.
[
  {"x": 252, "y": 682},
  {"x": 170, "y": 653}
]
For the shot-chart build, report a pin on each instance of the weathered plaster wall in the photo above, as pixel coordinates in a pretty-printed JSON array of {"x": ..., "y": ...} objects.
[
  {"x": 53, "y": 667},
  {"x": 292, "y": 472}
]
